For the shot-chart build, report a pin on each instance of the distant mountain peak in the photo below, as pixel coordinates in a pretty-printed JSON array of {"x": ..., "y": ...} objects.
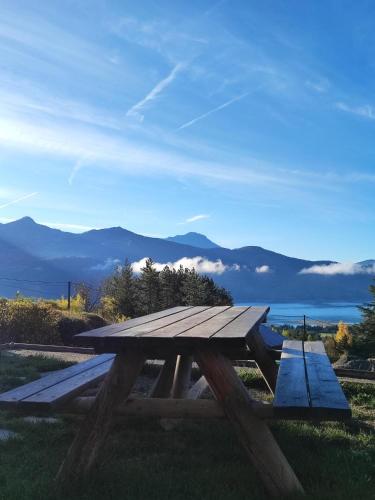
[
  {"x": 193, "y": 239},
  {"x": 24, "y": 220}
]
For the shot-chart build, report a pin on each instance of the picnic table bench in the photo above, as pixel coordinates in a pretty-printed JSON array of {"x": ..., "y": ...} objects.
[{"x": 304, "y": 385}]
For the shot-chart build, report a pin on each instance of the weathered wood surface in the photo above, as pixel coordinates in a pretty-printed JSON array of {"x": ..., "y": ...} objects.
[
  {"x": 207, "y": 329},
  {"x": 291, "y": 388},
  {"x": 263, "y": 359},
  {"x": 182, "y": 376},
  {"x": 307, "y": 386},
  {"x": 326, "y": 394},
  {"x": 198, "y": 321},
  {"x": 197, "y": 390},
  {"x": 277, "y": 476},
  {"x": 164, "y": 408},
  {"x": 65, "y": 381},
  {"x": 163, "y": 384},
  {"x": 55, "y": 396},
  {"x": 104, "y": 331},
  {"x": 177, "y": 330},
  {"x": 156, "y": 327},
  {"x": 92, "y": 434},
  {"x": 243, "y": 324}
]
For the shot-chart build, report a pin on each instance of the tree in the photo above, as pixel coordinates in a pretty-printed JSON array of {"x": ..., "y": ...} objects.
[
  {"x": 343, "y": 337},
  {"x": 149, "y": 288},
  {"x": 367, "y": 326},
  {"x": 122, "y": 288}
]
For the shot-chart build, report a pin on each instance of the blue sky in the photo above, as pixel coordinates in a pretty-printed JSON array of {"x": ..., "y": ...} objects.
[{"x": 252, "y": 122}]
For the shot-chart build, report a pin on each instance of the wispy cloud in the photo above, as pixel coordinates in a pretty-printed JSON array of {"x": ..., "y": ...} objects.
[
  {"x": 17, "y": 200},
  {"x": 200, "y": 264},
  {"x": 319, "y": 86},
  {"x": 346, "y": 268},
  {"x": 263, "y": 269},
  {"x": 366, "y": 111},
  {"x": 135, "y": 110},
  {"x": 197, "y": 217},
  {"x": 214, "y": 110}
]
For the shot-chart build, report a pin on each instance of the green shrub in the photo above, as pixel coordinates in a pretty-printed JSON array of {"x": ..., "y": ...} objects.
[
  {"x": 69, "y": 325},
  {"x": 24, "y": 320},
  {"x": 39, "y": 322}
]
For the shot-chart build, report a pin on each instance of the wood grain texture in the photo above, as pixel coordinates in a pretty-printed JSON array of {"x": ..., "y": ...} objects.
[
  {"x": 307, "y": 386},
  {"x": 291, "y": 389},
  {"x": 198, "y": 321},
  {"x": 182, "y": 376},
  {"x": 158, "y": 326},
  {"x": 325, "y": 390},
  {"x": 263, "y": 358},
  {"x": 205, "y": 330},
  {"x": 244, "y": 324},
  {"x": 14, "y": 397},
  {"x": 55, "y": 396},
  {"x": 105, "y": 331},
  {"x": 164, "y": 381},
  {"x": 92, "y": 434},
  {"x": 197, "y": 390},
  {"x": 273, "y": 468}
]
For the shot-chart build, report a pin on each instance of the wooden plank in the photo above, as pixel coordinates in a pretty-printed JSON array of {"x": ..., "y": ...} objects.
[
  {"x": 182, "y": 376},
  {"x": 105, "y": 331},
  {"x": 163, "y": 384},
  {"x": 216, "y": 323},
  {"x": 291, "y": 396},
  {"x": 198, "y": 388},
  {"x": 273, "y": 468},
  {"x": 244, "y": 324},
  {"x": 158, "y": 325},
  {"x": 263, "y": 358},
  {"x": 198, "y": 321},
  {"x": 14, "y": 396},
  {"x": 58, "y": 394},
  {"x": 94, "y": 430},
  {"x": 155, "y": 408},
  {"x": 326, "y": 394}
]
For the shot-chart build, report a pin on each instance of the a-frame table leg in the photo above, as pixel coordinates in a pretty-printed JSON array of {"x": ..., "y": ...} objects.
[
  {"x": 277, "y": 475},
  {"x": 263, "y": 359},
  {"x": 92, "y": 434},
  {"x": 163, "y": 384},
  {"x": 182, "y": 376}
]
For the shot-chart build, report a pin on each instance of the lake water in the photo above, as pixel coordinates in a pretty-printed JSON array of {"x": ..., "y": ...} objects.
[{"x": 293, "y": 312}]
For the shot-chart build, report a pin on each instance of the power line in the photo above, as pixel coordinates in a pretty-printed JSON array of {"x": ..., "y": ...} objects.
[{"x": 33, "y": 281}]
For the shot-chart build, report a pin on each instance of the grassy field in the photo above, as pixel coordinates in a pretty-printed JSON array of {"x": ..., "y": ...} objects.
[{"x": 196, "y": 460}]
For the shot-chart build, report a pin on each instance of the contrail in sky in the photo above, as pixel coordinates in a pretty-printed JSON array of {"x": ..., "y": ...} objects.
[
  {"x": 18, "y": 200},
  {"x": 222, "y": 106}
]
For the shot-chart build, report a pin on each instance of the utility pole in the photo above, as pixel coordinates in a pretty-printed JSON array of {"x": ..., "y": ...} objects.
[
  {"x": 304, "y": 327},
  {"x": 69, "y": 293}
]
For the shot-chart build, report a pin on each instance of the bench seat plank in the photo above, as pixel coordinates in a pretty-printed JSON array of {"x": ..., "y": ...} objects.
[
  {"x": 13, "y": 398},
  {"x": 55, "y": 396},
  {"x": 326, "y": 393},
  {"x": 291, "y": 396},
  {"x": 307, "y": 386}
]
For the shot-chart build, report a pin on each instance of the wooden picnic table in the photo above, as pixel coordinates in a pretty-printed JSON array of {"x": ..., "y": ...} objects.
[{"x": 212, "y": 337}]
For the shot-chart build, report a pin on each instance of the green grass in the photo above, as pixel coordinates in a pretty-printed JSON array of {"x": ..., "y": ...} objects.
[
  {"x": 196, "y": 460},
  {"x": 17, "y": 370}
]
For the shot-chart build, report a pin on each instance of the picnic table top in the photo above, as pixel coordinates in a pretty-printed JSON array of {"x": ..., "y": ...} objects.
[{"x": 182, "y": 325}]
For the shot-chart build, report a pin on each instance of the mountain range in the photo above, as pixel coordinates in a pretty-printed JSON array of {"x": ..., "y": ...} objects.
[{"x": 32, "y": 256}]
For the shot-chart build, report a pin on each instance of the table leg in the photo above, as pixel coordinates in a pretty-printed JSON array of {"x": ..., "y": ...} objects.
[
  {"x": 92, "y": 434},
  {"x": 163, "y": 384},
  {"x": 182, "y": 376},
  {"x": 263, "y": 359},
  {"x": 277, "y": 475}
]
